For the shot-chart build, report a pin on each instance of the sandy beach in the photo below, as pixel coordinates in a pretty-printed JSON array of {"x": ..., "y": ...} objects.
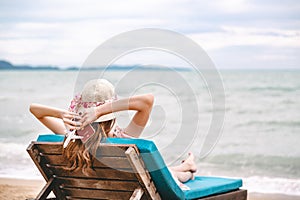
[
  {"x": 18, "y": 189},
  {"x": 15, "y": 189}
]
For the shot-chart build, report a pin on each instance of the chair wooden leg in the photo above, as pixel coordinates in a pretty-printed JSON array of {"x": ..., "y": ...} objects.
[
  {"x": 137, "y": 194},
  {"x": 46, "y": 190}
]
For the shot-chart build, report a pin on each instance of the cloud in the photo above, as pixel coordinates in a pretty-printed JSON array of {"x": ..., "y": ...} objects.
[
  {"x": 251, "y": 36},
  {"x": 256, "y": 57},
  {"x": 65, "y": 32}
]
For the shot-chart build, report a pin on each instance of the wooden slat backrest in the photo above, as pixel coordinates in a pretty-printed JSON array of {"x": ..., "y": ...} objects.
[
  {"x": 113, "y": 162},
  {"x": 104, "y": 150},
  {"x": 113, "y": 178}
]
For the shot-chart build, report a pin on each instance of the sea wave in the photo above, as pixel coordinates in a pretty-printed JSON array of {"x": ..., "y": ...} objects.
[
  {"x": 270, "y": 123},
  {"x": 278, "y": 166},
  {"x": 4, "y": 98},
  {"x": 272, "y": 185},
  {"x": 274, "y": 88}
]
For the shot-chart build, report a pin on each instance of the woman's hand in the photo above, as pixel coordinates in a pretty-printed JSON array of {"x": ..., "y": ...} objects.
[
  {"x": 71, "y": 120},
  {"x": 140, "y": 103},
  {"x": 57, "y": 120},
  {"x": 88, "y": 117}
]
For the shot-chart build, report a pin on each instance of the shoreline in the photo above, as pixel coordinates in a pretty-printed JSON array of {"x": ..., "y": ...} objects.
[{"x": 15, "y": 189}]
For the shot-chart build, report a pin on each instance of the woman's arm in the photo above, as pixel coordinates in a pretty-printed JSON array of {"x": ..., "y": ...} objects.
[
  {"x": 141, "y": 103},
  {"x": 54, "y": 118}
]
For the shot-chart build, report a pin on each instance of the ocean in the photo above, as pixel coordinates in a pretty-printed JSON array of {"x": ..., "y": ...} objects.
[{"x": 259, "y": 141}]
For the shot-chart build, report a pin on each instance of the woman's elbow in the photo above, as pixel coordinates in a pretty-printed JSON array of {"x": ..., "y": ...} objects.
[
  {"x": 142, "y": 103},
  {"x": 33, "y": 109},
  {"x": 149, "y": 99}
]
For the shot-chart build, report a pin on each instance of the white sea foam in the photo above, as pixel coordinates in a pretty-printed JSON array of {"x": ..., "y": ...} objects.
[
  {"x": 29, "y": 172},
  {"x": 16, "y": 163},
  {"x": 272, "y": 185},
  {"x": 12, "y": 151}
]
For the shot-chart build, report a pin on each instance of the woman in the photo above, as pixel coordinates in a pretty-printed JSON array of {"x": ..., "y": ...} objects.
[{"x": 91, "y": 118}]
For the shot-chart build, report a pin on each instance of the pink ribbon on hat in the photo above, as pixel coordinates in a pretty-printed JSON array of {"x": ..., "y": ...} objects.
[{"x": 76, "y": 103}]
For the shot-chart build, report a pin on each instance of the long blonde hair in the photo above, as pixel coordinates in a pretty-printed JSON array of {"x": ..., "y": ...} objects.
[{"x": 81, "y": 156}]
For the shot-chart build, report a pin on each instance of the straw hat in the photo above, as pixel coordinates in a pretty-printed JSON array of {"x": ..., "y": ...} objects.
[{"x": 98, "y": 91}]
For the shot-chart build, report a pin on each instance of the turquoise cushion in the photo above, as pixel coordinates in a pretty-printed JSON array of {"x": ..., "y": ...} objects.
[
  {"x": 203, "y": 186},
  {"x": 51, "y": 138},
  {"x": 165, "y": 184}
]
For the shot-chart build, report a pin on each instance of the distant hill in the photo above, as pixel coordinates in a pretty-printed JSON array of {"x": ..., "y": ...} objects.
[{"x": 5, "y": 65}]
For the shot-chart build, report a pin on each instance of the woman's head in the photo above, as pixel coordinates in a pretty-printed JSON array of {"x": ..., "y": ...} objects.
[
  {"x": 95, "y": 93},
  {"x": 100, "y": 91}
]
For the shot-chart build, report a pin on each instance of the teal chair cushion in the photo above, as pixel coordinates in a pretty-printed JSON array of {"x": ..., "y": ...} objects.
[
  {"x": 204, "y": 186},
  {"x": 161, "y": 176}
]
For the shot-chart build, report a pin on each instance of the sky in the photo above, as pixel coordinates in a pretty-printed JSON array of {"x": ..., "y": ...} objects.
[{"x": 235, "y": 33}]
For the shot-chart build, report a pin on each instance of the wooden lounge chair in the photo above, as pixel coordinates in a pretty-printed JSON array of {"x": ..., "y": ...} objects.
[{"x": 121, "y": 172}]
